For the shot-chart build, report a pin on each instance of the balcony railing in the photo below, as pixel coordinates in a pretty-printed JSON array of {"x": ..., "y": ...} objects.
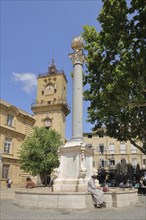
[
  {"x": 46, "y": 74},
  {"x": 51, "y": 102}
]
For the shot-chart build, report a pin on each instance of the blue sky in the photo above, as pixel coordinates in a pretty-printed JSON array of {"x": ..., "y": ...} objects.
[{"x": 32, "y": 33}]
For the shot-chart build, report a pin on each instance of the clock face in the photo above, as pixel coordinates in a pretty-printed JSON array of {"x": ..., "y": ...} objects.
[
  {"x": 49, "y": 89},
  {"x": 48, "y": 123}
]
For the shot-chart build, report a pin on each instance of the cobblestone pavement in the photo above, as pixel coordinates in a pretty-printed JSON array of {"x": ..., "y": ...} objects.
[{"x": 9, "y": 211}]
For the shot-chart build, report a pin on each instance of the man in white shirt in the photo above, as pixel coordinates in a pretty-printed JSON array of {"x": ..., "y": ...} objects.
[{"x": 97, "y": 194}]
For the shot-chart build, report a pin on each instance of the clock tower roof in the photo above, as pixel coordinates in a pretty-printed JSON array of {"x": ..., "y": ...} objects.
[{"x": 52, "y": 69}]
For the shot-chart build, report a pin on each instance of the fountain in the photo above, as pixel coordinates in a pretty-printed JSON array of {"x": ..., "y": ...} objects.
[{"x": 69, "y": 190}]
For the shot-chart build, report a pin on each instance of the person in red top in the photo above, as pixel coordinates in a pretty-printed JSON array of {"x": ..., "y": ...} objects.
[{"x": 29, "y": 183}]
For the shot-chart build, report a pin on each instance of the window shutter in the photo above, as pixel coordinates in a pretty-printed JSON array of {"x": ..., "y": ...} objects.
[
  {"x": 6, "y": 118},
  {"x": 3, "y": 144}
]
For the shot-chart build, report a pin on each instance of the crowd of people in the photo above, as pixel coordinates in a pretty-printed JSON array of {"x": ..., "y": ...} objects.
[{"x": 111, "y": 179}]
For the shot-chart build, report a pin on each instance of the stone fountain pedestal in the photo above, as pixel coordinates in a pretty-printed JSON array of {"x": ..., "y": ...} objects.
[{"x": 75, "y": 168}]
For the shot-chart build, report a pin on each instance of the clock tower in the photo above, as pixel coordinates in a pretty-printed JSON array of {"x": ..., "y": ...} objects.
[{"x": 51, "y": 108}]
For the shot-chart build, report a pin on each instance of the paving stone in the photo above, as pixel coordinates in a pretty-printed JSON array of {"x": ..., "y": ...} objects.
[{"x": 9, "y": 211}]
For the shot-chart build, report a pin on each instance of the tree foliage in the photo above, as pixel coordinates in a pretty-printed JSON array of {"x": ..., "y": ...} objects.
[
  {"x": 116, "y": 71},
  {"x": 124, "y": 172},
  {"x": 39, "y": 152}
]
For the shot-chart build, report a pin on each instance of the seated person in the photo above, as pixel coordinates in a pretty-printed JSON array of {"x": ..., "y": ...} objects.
[
  {"x": 97, "y": 194},
  {"x": 29, "y": 183}
]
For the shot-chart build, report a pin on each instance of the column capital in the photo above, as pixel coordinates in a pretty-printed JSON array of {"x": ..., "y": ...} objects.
[{"x": 77, "y": 57}]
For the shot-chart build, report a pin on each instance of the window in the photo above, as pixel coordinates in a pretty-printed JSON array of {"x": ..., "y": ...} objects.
[
  {"x": 7, "y": 145},
  {"x": 5, "y": 171},
  {"x": 102, "y": 163},
  {"x": 10, "y": 119},
  {"x": 144, "y": 163},
  {"x": 134, "y": 162},
  {"x": 101, "y": 133},
  {"x": 112, "y": 148},
  {"x": 122, "y": 148},
  {"x": 133, "y": 149},
  {"x": 101, "y": 148},
  {"x": 111, "y": 162}
]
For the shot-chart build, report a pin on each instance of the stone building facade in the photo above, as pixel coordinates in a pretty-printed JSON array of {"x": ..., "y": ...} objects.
[
  {"x": 15, "y": 126},
  {"x": 108, "y": 152}
]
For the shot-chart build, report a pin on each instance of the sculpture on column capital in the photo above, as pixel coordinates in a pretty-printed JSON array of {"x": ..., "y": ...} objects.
[
  {"x": 77, "y": 43},
  {"x": 78, "y": 55}
]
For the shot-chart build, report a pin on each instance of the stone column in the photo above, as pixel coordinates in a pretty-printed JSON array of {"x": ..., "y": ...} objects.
[
  {"x": 75, "y": 157},
  {"x": 78, "y": 59}
]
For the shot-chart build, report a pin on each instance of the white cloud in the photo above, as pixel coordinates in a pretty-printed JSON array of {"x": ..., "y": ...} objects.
[{"x": 28, "y": 80}]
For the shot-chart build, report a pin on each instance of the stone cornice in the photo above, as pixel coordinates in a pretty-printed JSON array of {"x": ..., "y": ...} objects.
[{"x": 14, "y": 133}]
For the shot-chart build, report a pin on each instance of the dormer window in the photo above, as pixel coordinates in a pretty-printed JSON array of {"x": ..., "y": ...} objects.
[{"x": 10, "y": 120}]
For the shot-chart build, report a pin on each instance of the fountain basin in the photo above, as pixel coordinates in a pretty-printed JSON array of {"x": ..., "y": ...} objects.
[{"x": 42, "y": 198}]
